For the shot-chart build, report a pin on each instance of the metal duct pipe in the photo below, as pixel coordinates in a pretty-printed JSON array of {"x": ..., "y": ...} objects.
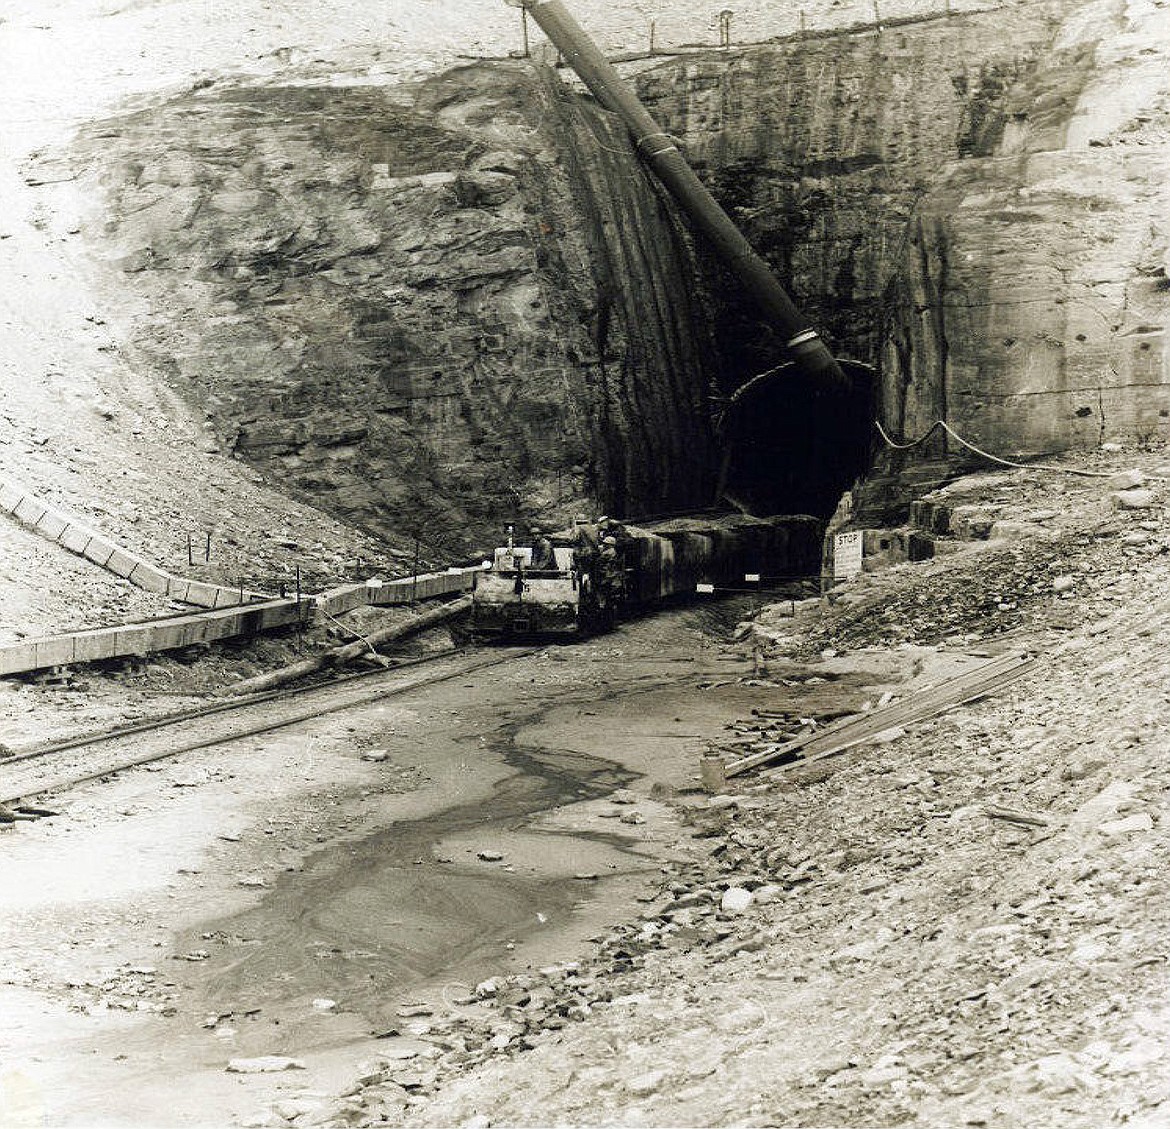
[{"x": 658, "y": 149}]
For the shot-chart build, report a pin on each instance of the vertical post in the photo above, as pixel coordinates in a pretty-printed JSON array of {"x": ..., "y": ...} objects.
[
  {"x": 524, "y": 29},
  {"x": 207, "y": 548},
  {"x": 653, "y": 29},
  {"x": 241, "y": 589},
  {"x": 713, "y": 773},
  {"x": 877, "y": 15},
  {"x": 725, "y": 28},
  {"x": 298, "y": 587},
  {"x": 414, "y": 584},
  {"x": 803, "y": 24},
  {"x": 190, "y": 551}
]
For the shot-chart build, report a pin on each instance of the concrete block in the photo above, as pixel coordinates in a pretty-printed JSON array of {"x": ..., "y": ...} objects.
[
  {"x": 133, "y": 640},
  {"x": 75, "y": 538},
  {"x": 55, "y": 651},
  {"x": 99, "y": 644},
  {"x": 177, "y": 587},
  {"x": 176, "y": 633},
  {"x": 17, "y": 658},
  {"x": 200, "y": 594},
  {"x": 30, "y": 510},
  {"x": 148, "y": 577},
  {"x": 11, "y": 494},
  {"x": 227, "y": 597},
  {"x": 99, "y": 550},
  {"x": 122, "y": 562},
  {"x": 52, "y": 524}
]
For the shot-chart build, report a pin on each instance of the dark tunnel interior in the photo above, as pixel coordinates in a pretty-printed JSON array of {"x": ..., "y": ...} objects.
[{"x": 791, "y": 446}]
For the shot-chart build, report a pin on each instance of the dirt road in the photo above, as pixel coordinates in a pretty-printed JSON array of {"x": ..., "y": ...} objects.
[{"x": 285, "y": 896}]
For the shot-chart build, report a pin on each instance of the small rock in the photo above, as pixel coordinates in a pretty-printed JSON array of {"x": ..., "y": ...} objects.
[
  {"x": 292, "y": 1108},
  {"x": 1127, "y": 480},
  {"x": 632, "y": 817},
  {"x": 735, "y": 899},
  {"x": 586, "y": 876},
  {"x": 489, "y": 856},
  {"x": 646, "y": 1084},
  {"x": 323, "y": 1004},
  {"x": 1132, "y": 499},
  {"x": 1127, "y": 826},
  {"x": 1062, "y": 583},
  {"x": 376, "y": 756},
  {"x": 265, "y": 1064},
  {"x": 412, "y": 1011},
  {"x": 716, "y": 803},
  {"x": 485, "y": 989},
  {"x": 479, "y": 1121}
]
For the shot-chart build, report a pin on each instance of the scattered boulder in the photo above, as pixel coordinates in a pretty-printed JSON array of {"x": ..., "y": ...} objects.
[
  {"x": 735, "y": 899},
  {"x": 1132, "y": 499},
  {"x": 1127, "y": 480},
  {"x": 265, "y": 1064}
]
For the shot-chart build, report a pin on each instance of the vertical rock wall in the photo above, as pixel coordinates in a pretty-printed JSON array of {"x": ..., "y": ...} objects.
[
  {"x": 403, "y": 304},
  {"x": 976, "y": 204}
]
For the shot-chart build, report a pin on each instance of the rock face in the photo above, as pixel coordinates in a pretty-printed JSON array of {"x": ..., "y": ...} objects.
[
  {"x": 977, "y": 205},
  {"x": 402, "y": 304},
  {"x": 447, "y": 306}
]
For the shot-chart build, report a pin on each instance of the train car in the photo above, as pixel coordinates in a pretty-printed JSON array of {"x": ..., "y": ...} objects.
[
  {"x": 511, "y": 598},
  {"x": 653, "y": 563}
]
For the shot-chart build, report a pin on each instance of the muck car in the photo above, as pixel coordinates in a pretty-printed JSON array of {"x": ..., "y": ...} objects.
[{"x": 599, "y": 579}]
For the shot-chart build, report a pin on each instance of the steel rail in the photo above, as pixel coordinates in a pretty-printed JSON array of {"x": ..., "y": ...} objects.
[
  {"x": 225, "y": 706},
  {"x": 81, "y": 774}
]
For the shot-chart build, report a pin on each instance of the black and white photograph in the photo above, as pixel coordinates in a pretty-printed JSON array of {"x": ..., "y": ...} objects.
[{"x": 584, "y": 563}]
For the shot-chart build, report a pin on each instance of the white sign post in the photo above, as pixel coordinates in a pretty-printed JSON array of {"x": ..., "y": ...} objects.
[{"x": 847, "y": 551}]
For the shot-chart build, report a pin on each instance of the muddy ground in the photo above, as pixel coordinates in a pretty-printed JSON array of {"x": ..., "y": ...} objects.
[
  {"x": 342, "y": 859},
  {"x": 865, "y": 940}
]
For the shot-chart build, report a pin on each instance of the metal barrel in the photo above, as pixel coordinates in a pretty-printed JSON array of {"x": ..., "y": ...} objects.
[{"x": 803, "y": 343}]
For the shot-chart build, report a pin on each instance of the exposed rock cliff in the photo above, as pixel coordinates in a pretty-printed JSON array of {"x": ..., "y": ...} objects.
[
  {"x": 976, "y": 204},
  {"x": 442, "y": 305},
  {"x": 400, "y": 303}
]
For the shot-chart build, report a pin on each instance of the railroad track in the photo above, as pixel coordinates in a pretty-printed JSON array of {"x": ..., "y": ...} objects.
[{"x": 65, "y": 764}]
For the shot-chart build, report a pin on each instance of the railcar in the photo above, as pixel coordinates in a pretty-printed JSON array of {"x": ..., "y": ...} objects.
[{"x": 655, "y": 563}]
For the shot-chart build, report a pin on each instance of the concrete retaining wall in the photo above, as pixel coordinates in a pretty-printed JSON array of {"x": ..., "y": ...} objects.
[
  {"x": 71, "y": 534},
  {"x": 153, "y": 635},
  {"x": 222, "y": 623},
  {"x": 234, "y": 612},
  {"x": 403, "y": 590}
]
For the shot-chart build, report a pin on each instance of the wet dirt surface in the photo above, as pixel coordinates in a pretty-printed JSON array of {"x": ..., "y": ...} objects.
[
  {"x": 366, "y": 920},
  {"x": 244, "y": 883}
]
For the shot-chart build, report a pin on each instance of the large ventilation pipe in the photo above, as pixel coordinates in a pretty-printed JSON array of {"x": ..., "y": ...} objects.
[{"x": 658, "y": 149}]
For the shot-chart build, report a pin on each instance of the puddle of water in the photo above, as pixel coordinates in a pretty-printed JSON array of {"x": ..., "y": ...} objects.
[{"x": 364, "y": 921}]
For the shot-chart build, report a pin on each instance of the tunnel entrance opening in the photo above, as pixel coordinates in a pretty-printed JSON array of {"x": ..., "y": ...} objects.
[{"x": 791, "y": 447}]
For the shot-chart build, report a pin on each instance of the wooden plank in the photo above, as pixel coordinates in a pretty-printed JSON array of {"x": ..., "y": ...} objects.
[{"x": 846, "y": 733}]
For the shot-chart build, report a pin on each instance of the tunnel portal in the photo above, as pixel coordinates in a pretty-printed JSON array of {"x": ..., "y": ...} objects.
[{"x": 794, "y": 447}]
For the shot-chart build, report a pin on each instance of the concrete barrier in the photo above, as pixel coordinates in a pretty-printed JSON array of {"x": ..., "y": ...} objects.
[
  {"x": 66, "y": 531},
  {"x": 229, "y": 615}
]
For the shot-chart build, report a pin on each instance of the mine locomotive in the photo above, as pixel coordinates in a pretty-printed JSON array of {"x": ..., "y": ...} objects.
[{"x": 598, "y": 577}]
